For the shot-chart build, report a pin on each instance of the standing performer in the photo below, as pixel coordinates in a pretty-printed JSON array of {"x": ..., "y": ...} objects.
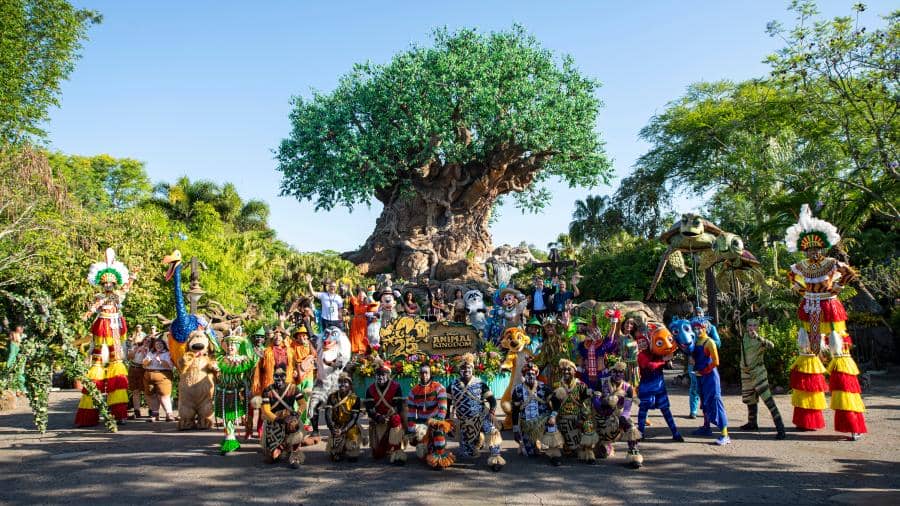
[
  {"x": 342, "y": 416},
  {"x": 137, "y": 350},
  {"x": 233, "y": 387},
  {"x": 570, "y": 401},
  {"x": 819, "y": 280},
  {"x": 107, "y": 369},
  {"x": 473, "y": 405},
  {"x": 705, "y": 356},
  {"x": 386, "y": 407},
  {"x": 611, "y": 420},
  {"x": 653, "y": 393},
  {"x": 359, "y": 343},
  {"x": 628, "y": 350},
  {"x": 592, "y": 352},
  {"x": 426, "y": 420},
  {"x": 700, "y": 324},
  {"x": 534, "y": 421},
  {"x": 16, "y": 336},
  {"x": 282, "y": 430},
  {"x": 755, "y": 379}
]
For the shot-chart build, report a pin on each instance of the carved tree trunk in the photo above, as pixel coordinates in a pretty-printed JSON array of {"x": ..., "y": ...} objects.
[{"x": 439, "y": 225}]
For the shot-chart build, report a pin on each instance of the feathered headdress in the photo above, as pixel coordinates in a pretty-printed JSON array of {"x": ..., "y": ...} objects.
[
  {"x": 108, "y": 271},
  {"x": 810, "y": 232}
]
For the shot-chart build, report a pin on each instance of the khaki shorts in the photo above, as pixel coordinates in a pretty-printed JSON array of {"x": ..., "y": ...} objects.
[{"x": 158, "y": 382}]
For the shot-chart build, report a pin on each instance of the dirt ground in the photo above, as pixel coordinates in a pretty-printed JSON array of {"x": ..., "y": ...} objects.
[{"x": 154, "y": 463}]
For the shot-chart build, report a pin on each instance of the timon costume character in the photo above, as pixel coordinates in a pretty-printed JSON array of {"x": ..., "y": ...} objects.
[
  {"x": 705, "y": 356},
  {"x": 819, "y": 280},
  {"x": 107, "y": 371},
  {"x": 473, "y": 406},
  {"x": 653, "y": 393}
]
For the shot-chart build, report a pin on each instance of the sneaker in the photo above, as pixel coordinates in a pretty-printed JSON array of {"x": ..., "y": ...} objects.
[
  {"x": 702, "y": 431},
  {"x": 723, "y": 440},
  {"x": 692, "y": 416},
  {"x": 855, "y": 437}
]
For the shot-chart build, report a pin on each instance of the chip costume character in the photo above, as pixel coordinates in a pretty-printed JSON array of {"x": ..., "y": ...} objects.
[
  {"x": 233, "y": 387},
  {"x": 473, "y": 405},
  {"x": 107, "y": 371},
  {"x": 570, "y": 399},
  {"x": 342, "y": 416},
  {"x": 705, "y": 356},
  {"x": 819, "y": 280},
  {"x": 282, "y": 430},
  {"x": 534, "y": 421},
  {"x": 611, "y": 417},
  {"x": 427, "y": 425},
  {"x": 755, "y": 379},
  {"x": 386, "y": 406},
  {"x": 653, "y": 393}
]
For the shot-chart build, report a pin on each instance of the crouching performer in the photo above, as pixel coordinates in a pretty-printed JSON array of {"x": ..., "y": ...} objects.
[
  {"x": 473, "y": 405},
  {"x": 282, "y": 430},
  {"x": 342, "y": 416},
  {"x": 611, "y": 420},
  {"x": 569, "y": 400},
  {"x": 386, "y": 407},
  {"x": 534, "y": 422},
  {"x": 427, "y": 425}
]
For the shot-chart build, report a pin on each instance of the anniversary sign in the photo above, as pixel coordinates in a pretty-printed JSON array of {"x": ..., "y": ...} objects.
[{"x": 408, "y": 335}]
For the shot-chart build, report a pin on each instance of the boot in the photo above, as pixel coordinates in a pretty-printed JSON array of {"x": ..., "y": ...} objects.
[
  {"x": 779, "y": 428},
  {"x": 752, "y": 410},
  {"x": 314, "y": 422}
]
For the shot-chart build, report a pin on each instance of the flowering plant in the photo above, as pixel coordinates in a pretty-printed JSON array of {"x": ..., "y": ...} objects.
[{"x": 487, "y": 363}]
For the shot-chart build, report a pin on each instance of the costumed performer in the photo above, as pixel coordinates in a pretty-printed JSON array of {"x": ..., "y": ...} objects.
[
  {"x": 819, "y": 279},
  {"x": 473, "y": 408},
  {"x": 386, "y": 406},
  {"x": 700, "y": 321},
  {"x": 107, "y": 371},
  {"x": 342, "y": 416},
  {"x": 755, "y": 379},
  {"x": 233, "y": 387},
  {"x": 276, "y": 355},
  {"x": 534, "y": 421},
  {"x": 570, "y": 400},
  {"x": 705, "y": 356},
  {"x": 282, "y": 430},
  {"x": 611, "y": 421},
  {"x": 426, "y": 420},
  {"x": 653, "y": 393}
]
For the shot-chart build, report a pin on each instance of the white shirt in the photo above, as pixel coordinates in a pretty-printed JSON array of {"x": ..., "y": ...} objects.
[{"x": 331, "y": 305}]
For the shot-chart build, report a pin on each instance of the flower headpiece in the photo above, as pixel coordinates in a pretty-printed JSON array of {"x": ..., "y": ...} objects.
[
  {"x": 108, "y": 271},
  {"x": 810, "y": 232},
  {"x": 468, "y": 358}
]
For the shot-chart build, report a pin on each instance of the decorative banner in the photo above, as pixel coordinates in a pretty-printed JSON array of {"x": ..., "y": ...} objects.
[{"x": 408, "y": 335}]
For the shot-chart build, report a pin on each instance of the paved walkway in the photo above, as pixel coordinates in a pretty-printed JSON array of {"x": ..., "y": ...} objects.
[{"x": 156, "y": 464}]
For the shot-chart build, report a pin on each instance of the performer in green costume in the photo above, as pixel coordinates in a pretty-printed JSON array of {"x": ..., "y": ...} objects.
[
  {"x": 233, "y": 387},
  {"x": 755, "y": 379}
]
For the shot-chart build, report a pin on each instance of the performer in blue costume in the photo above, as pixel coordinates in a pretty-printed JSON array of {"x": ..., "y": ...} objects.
[
  {"x": 700, "y": 321},
  {"x": 652, "y": 392},
  {"x": 705, "y": 355}
]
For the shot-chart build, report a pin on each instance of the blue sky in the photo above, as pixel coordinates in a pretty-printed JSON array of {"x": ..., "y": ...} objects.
[{"x": 202, "y": 88}]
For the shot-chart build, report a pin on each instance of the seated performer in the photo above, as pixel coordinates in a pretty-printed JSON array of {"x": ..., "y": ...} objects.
[
  {"x": 427, "y": 426},
  {"x": 534, "y": 422},
  {"x": 342, "y": 416},
  {"x": 653, "y": 393},
  {"x": 386, "y": 407},
  {"x": 282, "y": 430},
  {"x": 570, "y": 400},
  {"x": 755, "y": 379},
  {"x": 611, "y": 407},
  {"x": 473, "y": 406}
]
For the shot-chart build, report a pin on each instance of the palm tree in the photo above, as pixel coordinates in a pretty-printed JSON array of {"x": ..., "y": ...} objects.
[
  {"x": 178, "y": 200},
  {"x": 589, "y": 221}
]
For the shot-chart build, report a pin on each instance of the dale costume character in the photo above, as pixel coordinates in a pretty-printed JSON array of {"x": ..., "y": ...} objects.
[
  {"x": 819, "y": 279},
  {"x": 705, "y": 355},
  {"x": 700, "y": 323},
  {"x": 233, "y": 387},
  {"x": 755, "y": 379},
  {"x": 331, "y": 358},
  {"x": 386, "y": 406},
  {"x": 342, "y": 416},
  {"x": 534, "y": 421},
  {"x": 426, "y": 420},
  {"x": 107, "y": 371},
  {"x": 653, "y": 393},
  {"x": 570, "y": 400},
  {"x": 282, "y": 430},
  {"x": 611, "y": 417},
  {"x": 472, "y": 407}
]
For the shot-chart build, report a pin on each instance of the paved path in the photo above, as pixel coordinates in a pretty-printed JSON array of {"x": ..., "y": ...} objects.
[{"x": 156, "y": 464}]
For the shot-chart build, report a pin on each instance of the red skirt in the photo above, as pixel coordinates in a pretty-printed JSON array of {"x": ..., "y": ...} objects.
[
  {"x": 809, "y": 419},
  {"x": 102, "y": 327},
  {"x": 832, "y": 311},
  {"x": 849, "y": 421}
]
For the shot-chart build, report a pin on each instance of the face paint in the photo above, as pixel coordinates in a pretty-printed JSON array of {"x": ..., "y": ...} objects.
[
  {"x": 424, "y": 375},
  {"x": 530, "y": 377},
  {"x": 344, "y": 386},
  {"x": 466, "y": 371},
  {"x": 382, "y": 377},
  {"x": 280, "y": 379},
  {"x": 568, "y": 373}
]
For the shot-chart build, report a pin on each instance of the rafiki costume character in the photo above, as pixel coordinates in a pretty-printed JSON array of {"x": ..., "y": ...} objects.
[
  {"x": 386, "y": 406},
  {"x": 473, "y": 405},
  {"x": 653, "y": 393},
  {"x": 705, "y": 356},
  {"x": 819, "y": 279},
  {"x": 107, "y": 371}
]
